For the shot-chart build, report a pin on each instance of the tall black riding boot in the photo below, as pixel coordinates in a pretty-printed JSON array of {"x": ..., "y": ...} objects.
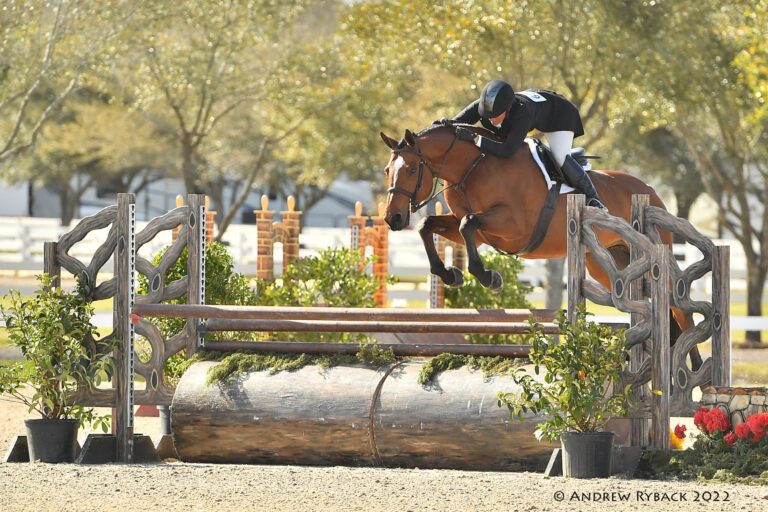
[{"x": 576, "y": 176}]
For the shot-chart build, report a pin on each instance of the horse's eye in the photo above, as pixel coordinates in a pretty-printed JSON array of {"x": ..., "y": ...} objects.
[{"x": 412, "y": 170}]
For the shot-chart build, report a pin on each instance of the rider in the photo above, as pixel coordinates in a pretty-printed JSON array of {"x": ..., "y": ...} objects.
[{"x": 512, "y": 115}]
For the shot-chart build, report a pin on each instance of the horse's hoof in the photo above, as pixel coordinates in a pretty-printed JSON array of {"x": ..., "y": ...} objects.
[
  {"x": 497, "y": 282},
  {"x": 456, "y": 277}
]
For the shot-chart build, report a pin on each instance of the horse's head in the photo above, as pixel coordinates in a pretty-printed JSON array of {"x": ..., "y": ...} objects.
[{"x": 409, "y": 178}]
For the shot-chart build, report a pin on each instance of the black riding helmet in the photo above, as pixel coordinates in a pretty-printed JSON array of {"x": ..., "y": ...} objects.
[{"x": 497, "y": 97}]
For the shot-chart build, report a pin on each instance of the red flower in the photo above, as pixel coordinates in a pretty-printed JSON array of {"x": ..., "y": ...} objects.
[
  {"x": 716, "y": 419},
  {"x": 699, "y": 417},
  {"x": 757, "y": 424},
  {"x": 742, "y": 431},
  {"x": 730, "y": 438},
  {"x": 680, "y": 431}
]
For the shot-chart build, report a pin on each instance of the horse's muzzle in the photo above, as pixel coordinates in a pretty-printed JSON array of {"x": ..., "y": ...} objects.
[{"x": 398, "y": 221}]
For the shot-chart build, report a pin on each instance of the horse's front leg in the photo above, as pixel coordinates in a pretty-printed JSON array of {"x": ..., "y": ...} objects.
[
  {"x": 488, "y": 278},
  {"x": 446, "y": 226}
]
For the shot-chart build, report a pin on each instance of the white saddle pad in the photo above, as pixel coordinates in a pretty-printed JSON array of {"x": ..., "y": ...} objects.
[{"x": 532, "y": 145}]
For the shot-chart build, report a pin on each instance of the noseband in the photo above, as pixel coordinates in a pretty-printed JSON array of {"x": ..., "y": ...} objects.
[{"x": 412, "y": 199}]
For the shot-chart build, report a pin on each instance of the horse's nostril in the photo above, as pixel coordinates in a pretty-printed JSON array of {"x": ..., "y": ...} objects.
[{"x": 397, "y": 219}]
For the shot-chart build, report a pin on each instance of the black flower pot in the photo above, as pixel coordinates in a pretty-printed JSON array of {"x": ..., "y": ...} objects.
[
  {"x": 587, "y": 454},
  {"x": 52, "y": 440}
]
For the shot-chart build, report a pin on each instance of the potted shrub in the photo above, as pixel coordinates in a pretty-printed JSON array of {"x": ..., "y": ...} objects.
[
  {"x": 52, "y": 330},
  {"x": 577, "y": 393}
]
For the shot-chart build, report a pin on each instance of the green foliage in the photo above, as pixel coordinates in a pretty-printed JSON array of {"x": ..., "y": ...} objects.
[
  {"x": 474, "y": 295},
  {"x": 238, "y": 363},
  {"x": 335, "y": 277},
  {"x": 489, "y": 365},
  {"x": 711, "y": 459},
  {"x": 52, "y": 330},
  {"x": 577, "y": 371}
]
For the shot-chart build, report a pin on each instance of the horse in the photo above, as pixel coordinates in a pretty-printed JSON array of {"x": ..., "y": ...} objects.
[{"x": 497, "y": 201}]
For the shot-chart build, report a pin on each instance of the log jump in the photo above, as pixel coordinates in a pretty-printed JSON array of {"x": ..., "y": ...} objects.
[{"x": 628, "y": 293}]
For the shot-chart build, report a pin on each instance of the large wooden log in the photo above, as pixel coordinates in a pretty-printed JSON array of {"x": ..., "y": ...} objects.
[{"x": 353, "y": 415}]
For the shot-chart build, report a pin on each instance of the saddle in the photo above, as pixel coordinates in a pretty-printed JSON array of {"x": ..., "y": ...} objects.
[
  {"x": 556, "y": 175},
  {"x": 554, "y": 172}
]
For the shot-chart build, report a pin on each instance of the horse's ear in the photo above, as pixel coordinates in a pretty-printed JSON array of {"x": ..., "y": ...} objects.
[
  {"x": 389, "y": 141},
  {"x": 409, "y": 138}
]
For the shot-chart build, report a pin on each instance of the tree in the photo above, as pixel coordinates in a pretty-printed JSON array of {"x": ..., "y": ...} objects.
[
  {"x": 46, "y": 48},
  {"x": 662, "y": 154},
  {"x": 89, "y": 142},
  {"x": 240, "y": 86},
  {"x": 712, "y": 100}
]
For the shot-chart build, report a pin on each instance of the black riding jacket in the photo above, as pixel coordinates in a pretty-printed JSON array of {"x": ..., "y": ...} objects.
[{"x": 537, "y": 109}]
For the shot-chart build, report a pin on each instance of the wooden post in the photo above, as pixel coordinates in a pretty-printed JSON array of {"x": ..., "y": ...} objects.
[
  {"x": 660, "y": 360},
  {"x": 577, "y": 256},
  {"x": 721, "y": 314},
  {"x": 125, "y": 263},
  {"x": 639, "y": 427},
  {"x": 210, "y": 218},
  {"x": 195, "y": 267},
  {"x": 175, "y": 231}
]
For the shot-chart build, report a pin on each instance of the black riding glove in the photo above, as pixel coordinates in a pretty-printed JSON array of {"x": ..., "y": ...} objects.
[
  {"x": 465, "y": 134},
  {"x": 443, "y": 121}
]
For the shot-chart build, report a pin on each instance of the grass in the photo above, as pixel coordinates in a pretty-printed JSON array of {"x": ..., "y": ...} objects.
[{"x": 750, "y": 374}]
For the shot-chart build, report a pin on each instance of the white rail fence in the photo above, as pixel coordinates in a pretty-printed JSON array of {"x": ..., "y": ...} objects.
[{"x": 21, "y": 249}]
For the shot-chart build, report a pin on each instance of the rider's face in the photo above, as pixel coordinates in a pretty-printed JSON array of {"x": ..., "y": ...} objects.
[{"x": 496, "y": 121}]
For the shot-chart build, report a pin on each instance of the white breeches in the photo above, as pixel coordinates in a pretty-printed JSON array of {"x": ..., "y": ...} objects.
[{"x": 560, "y": 143}]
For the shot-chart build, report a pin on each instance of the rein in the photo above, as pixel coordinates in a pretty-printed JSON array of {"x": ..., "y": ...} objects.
[{"x": 423, "y": 162}]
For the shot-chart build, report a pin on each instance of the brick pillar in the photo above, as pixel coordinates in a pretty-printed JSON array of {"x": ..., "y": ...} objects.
[
  {"x": 292, "y": 223},
  {"x": 265, "y": 241},
  {"x": 381, "y": 250},
  {"x": 210, "y": 221}
]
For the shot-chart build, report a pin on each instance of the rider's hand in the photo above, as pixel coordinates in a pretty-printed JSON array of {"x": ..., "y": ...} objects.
[
  {"x": 465, "y": 134},
  {"x": 443, "y": 121}
]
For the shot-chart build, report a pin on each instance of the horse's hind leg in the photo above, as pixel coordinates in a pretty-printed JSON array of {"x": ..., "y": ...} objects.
[
  {"x": 446, "y": 226},
  {"x": 488, "y": 278}
]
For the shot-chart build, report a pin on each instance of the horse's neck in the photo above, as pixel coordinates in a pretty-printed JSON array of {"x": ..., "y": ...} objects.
[
  {"x": 463, "y": 160},
  {"x": 452, "y": 161}
]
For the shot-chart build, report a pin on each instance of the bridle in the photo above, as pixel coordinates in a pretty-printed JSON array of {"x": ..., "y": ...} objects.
[{"x": 422, "y": 163}]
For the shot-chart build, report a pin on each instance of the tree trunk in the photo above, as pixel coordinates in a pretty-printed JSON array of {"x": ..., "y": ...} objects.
[
  {"x": 67, "y": 204},
  {"x": 684, "y": 204},
  {"x": 188, "y": 169},
  {"x": 756, "y": 280}
]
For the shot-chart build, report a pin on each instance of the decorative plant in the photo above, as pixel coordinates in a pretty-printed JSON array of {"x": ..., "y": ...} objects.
[
  {"x": 335, "y": 277},
  {"x": 222, "y": 286},
  {"x": 719, "y": 451},
  {"x": 578, "y": 371},
  {"x": 475, "y": 295},
  {"x": 52, "y": 331}
]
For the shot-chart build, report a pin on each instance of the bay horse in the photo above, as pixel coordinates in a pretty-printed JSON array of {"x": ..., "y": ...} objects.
[{"x": 497, "y": 201}]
